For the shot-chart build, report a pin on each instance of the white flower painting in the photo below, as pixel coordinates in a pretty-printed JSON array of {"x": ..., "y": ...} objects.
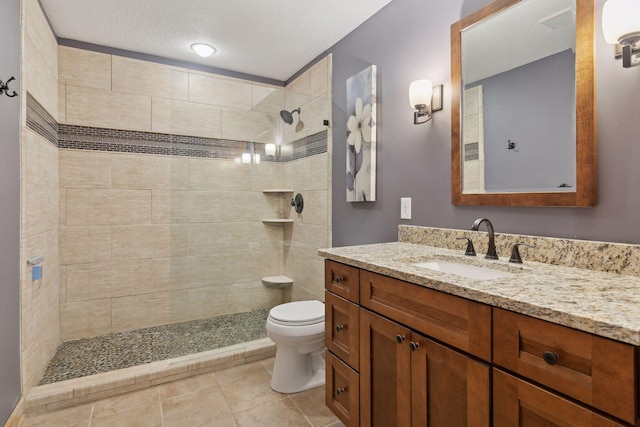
[{"x": 361, "y": 136}]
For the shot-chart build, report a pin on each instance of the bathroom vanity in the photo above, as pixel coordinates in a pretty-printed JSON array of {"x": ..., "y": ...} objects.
[{"x": 538, "y": 345}]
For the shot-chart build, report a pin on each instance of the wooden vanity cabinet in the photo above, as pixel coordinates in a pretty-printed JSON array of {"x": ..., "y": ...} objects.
[
  {"x": 520, "y": 403},
  {"x": 596, "y": 371},
  {"x": 407, "y": 379}
]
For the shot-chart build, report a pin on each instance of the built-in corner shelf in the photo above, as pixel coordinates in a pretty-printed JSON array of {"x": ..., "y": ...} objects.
[
  {"x": 277, "y": 191},
  {"x": 276, "y": 221},
  {"x": 277, "y": 282}
]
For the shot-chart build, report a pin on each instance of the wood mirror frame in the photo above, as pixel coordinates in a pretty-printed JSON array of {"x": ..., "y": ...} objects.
[{"x": 586, "y": 174}]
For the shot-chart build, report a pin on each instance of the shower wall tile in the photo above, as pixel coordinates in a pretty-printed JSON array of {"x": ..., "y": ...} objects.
[
  {"x": 106, "y": 109},
  {"x": 213, "y": 174},
  {"x": 108, "y": 279},
  {"x": 39, "y": 193},
  {"x": 62, "y": 103},
  {"x": 85, "y": 319},
  {"x": 37, "y": 29},
  {"x": 147, "y": 78},
  {"x": 210, "y": 206},
  {"x": 248, "y": 125},
  {"x": 267, "y": 99},
  {"x": 148, "y": 241},
  {"x": 161, "y": 115},
  {"x": 188, "y": 118},
  {"x": 222, "y": 92},
  {"x": 39, "y": 77},
  {"x": 84, "y": 244},
  {"x": 301, "y": 85},
  {"x": 41, "y": 214},
  {"x": 315, "y": 208},
  {"x": 314, "y": 112},
  {"x": 40, "y": 160},
  {"x": 213, "y": 239},
  {"x": 108, "y": 207},
  {"x": 79, "y": 67},
  {"x": 267, "y": 176},
  {"x": 85, "y": 169},
  {"x": 319, "y": 78},
  {"x": 140, "y": 171}
]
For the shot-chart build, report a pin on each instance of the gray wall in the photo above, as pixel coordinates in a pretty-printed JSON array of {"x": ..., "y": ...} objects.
[
  {"x": 409, "y": 39},
  {"x": 545, "y": 152},
  {"x": 9, "y": 211}
]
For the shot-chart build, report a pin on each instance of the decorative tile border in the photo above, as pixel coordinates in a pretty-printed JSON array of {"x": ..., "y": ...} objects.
[
  {"x": 608, "y": 257},
  {"x": 40, "y": 121},
  {"x": 127, "y": 141}
]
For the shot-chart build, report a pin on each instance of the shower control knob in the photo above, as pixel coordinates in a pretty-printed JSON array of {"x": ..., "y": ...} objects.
[{"x": 339, "y": 328}]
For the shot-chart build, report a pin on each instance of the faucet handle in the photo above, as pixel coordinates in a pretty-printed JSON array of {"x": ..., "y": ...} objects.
[
  {"x": 471, "y": 251},
  {"x": 515, "y": 253}
]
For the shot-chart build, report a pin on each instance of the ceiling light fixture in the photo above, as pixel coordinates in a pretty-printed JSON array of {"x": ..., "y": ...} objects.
[{"x": 203, "y": 49}]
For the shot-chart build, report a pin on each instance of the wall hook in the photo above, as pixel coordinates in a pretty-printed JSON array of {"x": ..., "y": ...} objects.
[{"x": 4, "y": 88}]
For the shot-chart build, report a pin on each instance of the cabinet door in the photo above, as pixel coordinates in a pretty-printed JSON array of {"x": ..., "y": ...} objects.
[
  {"x": 517, "y": 403},
  {"x": 385, "y": 385},
  {"x": 448, "y": 388}
]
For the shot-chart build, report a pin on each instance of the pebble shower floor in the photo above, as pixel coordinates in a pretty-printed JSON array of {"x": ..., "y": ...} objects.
[{"x": 89, "y": 356}]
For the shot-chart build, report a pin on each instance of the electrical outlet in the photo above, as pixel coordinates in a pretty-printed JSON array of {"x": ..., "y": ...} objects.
[{"x": 405, "y": 208}]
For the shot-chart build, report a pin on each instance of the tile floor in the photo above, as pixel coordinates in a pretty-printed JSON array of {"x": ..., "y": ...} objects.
[{"x": 233, "y": 397}]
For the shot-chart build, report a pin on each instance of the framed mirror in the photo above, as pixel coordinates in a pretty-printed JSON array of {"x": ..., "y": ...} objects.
[{"x": 523, "y": 105}]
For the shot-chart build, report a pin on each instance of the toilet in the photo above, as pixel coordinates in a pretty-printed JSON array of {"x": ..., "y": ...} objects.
[{"x": 297, "y": 328}]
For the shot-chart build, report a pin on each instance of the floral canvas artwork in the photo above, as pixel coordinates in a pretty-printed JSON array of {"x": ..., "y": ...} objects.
[{"x": 361, "y": 136}]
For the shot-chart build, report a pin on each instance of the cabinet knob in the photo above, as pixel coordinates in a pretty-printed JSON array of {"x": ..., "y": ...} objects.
[
  {"x": 340, "y": 390},
  {"x": 414, "y": 345},
  {"x": 550, "y": 357},
  {"x": 339, "y": 328},
  {"x": 338, "y": 279},
  {"x": 400, "y": 339}
]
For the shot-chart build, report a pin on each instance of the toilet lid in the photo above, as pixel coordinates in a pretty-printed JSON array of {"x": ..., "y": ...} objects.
[{"x": 298, "y": 312}]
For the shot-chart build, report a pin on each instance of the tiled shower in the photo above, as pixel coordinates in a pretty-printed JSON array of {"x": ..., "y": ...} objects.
[{"x": 134, "y": 193}]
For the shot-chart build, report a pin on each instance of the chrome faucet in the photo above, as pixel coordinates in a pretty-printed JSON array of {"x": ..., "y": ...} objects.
[{"x": 491, "y": 250}]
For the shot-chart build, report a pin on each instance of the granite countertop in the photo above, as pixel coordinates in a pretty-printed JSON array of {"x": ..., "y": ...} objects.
[{"x": 605, "y": 304}]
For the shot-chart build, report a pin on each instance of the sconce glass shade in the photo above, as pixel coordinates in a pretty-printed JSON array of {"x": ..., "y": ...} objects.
[
  {"x": 420, "y": 93},
  {"x": 270, "y": 149},
  {"x": 620, "y": 21},
  {"x": 246, "y": 158},
  {"x": 256, "y": 158},
  {"x": 203, "y": 49}
]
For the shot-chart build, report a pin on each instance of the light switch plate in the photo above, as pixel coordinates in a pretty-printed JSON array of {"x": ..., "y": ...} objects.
[{"x": 405, "y": 208}]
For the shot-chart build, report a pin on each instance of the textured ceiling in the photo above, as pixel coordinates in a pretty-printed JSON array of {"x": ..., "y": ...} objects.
[{"x": 272, "y": 39}]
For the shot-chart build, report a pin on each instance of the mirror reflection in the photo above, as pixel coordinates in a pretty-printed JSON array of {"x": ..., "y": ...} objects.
[{"x": 519, "y": 100}]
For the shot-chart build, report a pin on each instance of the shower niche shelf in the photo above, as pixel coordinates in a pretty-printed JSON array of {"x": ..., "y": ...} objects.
[
  {"x": 277, "y": 221},
  {"x": 277, "y": 192},
  {"x": 277, "y": 282}
]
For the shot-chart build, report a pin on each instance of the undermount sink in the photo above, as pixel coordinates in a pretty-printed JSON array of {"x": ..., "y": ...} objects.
[{"x": 464, "y": 270}]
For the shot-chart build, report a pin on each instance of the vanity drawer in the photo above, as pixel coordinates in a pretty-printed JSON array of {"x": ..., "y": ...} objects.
[
  {"x": 594, "y": 370},
  {"x": 342, "y": 280},
  {"x": 518, "y": 403},
  {"x": 342, "y": 330},
  {"x": 342, "y": 391},
  {"x": 456, "y": 321}
]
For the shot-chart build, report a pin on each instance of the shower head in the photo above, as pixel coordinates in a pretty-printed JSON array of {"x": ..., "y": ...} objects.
[{"x": 287, "y": 116}]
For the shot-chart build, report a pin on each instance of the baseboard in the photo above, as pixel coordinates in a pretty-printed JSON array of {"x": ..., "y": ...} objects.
[{"x": 17, "y": 416}]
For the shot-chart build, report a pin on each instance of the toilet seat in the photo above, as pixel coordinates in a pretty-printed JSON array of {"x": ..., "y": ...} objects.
[{"x": 298, "y": 313}]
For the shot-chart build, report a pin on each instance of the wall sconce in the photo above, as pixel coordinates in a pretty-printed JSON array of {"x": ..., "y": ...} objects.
[
  {"x": 426, "y": 99},
  {"x": 270, "y": 149},
  {"x": 247, "y": 158},
  {"x": 620, "y": 26}
]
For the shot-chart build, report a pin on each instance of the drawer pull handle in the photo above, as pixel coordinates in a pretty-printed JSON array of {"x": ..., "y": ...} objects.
[
  {"x": 414, "y": 346},
  {"x": 338, "y": 279},
  {"x": 340, "y": 390},
  {"x": 400, "y": 339},
  {"x": 339, "y": 328},
  {"x": 550, "y": 357}
]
